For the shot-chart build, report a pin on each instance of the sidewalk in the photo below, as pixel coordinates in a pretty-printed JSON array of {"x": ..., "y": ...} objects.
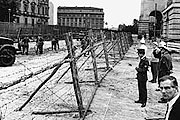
[{"x": 115, "y": 98}]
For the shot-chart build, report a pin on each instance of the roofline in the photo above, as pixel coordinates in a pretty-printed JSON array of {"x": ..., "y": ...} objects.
[{"x": 65, "y": 7}]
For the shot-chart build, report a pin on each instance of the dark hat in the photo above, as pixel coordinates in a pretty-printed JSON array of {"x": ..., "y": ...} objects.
[{"x": 141, "y": 51}]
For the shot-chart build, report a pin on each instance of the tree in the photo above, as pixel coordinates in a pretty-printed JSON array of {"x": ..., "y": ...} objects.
[{"x": 8, "y": 7}]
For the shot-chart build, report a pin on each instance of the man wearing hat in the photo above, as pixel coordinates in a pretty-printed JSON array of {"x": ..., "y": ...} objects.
[
  {"x": 155, "y": 55},
  {"x": 165, "y": 64},
  {"x": 142, "y": 77},
  {"x": 142, "y": 45}
]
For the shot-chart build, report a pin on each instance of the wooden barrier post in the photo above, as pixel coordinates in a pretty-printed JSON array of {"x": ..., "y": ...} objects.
[
  {"x": 105, "y": 49},
  {"x": 119, "y": 47},
  {"x": 121, "y": 43},
  {"x": 93, "y": 57},
  {"x": 125, "y": 42},
  {"x": 74, "y": 72},
  {"x": 113, "y": 43}
]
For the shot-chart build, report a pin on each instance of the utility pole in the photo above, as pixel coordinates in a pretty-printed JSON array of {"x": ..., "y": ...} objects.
[{"x": 9, "y": 20}]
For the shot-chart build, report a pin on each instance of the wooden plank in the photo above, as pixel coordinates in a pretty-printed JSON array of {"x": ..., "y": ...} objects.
[
  {"x": 93, "y": 57},
  {"x": 74, "y": 73},
  {"x": 105, "y": 50}
]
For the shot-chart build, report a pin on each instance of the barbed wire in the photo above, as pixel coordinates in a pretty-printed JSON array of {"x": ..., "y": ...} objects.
[{"x": 52, "y": 93}]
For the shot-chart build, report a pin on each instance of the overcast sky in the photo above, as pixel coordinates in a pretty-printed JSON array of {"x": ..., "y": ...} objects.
[{"x": 115, "y": 11}]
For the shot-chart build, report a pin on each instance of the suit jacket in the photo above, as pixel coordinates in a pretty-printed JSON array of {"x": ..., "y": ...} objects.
[{"x": 174, "y": 113}]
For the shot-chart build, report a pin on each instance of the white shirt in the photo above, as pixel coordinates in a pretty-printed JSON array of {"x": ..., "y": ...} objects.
[
  {"x": 153, "y": 59},
  {"x": 170, "y": 104}
]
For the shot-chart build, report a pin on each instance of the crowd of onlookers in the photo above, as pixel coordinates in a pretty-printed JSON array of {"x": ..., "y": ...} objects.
[{"x": 161, "y": 69}]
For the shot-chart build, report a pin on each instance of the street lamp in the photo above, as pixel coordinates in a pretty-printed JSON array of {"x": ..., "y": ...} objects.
[{"x": 9, "y": 11}]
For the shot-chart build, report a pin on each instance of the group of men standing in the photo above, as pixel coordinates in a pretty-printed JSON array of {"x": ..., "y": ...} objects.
[
  {"x": 161, "y": 68},
  {"x": 23, "y": 45},
  {"x": 54, "y": 43}
]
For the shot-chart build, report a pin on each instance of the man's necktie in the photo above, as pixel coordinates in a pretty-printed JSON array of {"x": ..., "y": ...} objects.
[{"x": 166, "y": 110}]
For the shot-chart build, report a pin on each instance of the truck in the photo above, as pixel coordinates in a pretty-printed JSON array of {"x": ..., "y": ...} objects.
[{"x": 7, "y": 52}]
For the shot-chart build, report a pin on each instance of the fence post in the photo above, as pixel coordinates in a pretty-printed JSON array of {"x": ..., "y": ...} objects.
[
  {"x": 113, "y": 43},
  {"x": 105, "y": 49},
  {"x": 121, "y": 43},
  {"x": 74, "y": 72},
  {"x": 93, "y": 57},
  {"x": 126, "y": 44},
  {"x": 118, "y": 44},
  {"x": 127, "y": 40}
]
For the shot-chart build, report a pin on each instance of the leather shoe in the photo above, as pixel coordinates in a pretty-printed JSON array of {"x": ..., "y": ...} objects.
[
  {"x": 143, "y": 105},
  {"x": 138, "y": 101}
]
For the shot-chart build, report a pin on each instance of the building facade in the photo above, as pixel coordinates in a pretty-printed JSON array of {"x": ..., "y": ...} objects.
[
  {"x": 171, "y": 18},
  {"x": 151, "y": 17},
  {"x": 88, "y": 17},
  {"x": 51, "y": 13},
  {"x": 33, "y": 12}
]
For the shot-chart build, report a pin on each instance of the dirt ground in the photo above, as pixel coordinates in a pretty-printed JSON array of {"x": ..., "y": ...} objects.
[{"x": 114, "y": 99}]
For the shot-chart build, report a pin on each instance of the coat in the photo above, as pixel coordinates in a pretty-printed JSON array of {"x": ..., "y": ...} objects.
[
  {"x": 142, "y": 69},
  {"x": 165, "y": 64},
  {"x": 174, "y": 113}
]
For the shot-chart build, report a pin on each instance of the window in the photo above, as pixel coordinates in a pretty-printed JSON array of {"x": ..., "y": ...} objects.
[
  {"x": 33, "y": 7},
  {"x": 26, "y": 5},
  {"x": 39, "y": 9},
  {"x": 17, "y": 20},
  {"x": 46, "y": 11},
  {"x": 26, "y": 21},
  {"x": 32, "y": 22},
  {"x": 43, "y": 10}
]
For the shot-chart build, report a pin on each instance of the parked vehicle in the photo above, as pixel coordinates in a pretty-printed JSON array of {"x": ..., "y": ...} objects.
[{"x": 7, "y": 52}]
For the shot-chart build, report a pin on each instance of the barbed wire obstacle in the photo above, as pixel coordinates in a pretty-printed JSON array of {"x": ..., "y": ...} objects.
[{"x": 61, "y": 98}]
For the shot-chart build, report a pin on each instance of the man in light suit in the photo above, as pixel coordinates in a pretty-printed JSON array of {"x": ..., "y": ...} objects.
[{"x": 170, "y": 92}]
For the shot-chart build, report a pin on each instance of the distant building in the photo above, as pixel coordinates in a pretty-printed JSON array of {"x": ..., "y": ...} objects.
[
  {"x": 51, "y": 13},
  {"x": 88, "y": 17},
  {"x": 33, "y": 12}
]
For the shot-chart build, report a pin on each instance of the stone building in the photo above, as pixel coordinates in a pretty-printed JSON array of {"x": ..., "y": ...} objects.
[
  {"x": 160, "y": 18},
  {"x": 51, "y": 13},
  {"x": 33, "y": 12},
  {"x": 89, "y": 17},
  {"x": 171, "y": 20},
  {"x": 151, "y": 18}
]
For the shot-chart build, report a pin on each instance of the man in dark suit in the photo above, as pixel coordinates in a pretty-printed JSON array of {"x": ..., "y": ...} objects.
[
  {"x": 142, "y": 77},
  {"x": 170, "y": 92}
]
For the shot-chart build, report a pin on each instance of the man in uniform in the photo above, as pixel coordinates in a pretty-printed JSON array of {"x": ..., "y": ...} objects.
[
  {"x": 142, "y": 77},
  {"x": 40, "y": 43},
  {"x": 142, "y": 45},
  {"x": 25, "y": 45}
]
